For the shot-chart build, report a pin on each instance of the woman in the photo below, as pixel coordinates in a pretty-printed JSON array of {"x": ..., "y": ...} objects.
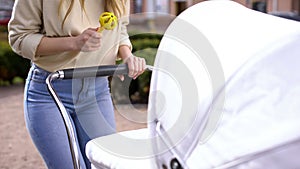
[{"x": 60, "y": 34}]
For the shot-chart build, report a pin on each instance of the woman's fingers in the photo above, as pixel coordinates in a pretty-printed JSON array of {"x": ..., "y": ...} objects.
[
  {"x": 89, "y": 40},
  {"x": 136, "y": 66}
]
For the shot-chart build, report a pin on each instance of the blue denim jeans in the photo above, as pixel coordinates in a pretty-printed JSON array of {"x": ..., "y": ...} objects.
[{"x": 88, "y": 102}]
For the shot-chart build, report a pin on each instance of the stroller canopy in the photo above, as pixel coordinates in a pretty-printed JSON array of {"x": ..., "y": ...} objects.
[{"x": 232, "y": 90}]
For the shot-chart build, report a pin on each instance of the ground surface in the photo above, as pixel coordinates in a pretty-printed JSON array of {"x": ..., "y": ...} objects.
[{"x": 16, "y": 148}]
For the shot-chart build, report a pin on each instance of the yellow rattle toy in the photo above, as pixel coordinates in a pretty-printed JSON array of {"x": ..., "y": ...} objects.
[{"x": 107, "y": 21}]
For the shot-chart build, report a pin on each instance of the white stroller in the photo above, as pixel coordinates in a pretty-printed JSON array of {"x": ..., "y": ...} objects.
[{"x": 224, "y": 94}]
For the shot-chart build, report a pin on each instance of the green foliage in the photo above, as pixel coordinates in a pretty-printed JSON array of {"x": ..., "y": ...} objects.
[
  {"x": 11, "y": 64},
  {"x": 144, "y": 41},
  {"x": 3, "y": 29},
  {"x": 3, "y": 33},
  {"x": 139, "y": 36}
]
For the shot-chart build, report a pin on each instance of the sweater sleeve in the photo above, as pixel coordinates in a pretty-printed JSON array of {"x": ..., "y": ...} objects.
[
  {"x": 25, "y": 27},
  {"x": 124, "y": 21}
]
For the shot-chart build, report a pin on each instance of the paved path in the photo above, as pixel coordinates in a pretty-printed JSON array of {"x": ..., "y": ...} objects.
[{"x": 17, "y": 150}]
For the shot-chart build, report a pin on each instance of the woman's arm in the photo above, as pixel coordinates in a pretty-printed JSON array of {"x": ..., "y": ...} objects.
[
  {"x": 89, "y": 40},
  {"x": 49, "y": 46},
  {"x": 25, "y": 27},
  {"x": 26, "y": 35},
  {"x": 136, "y": 65}
]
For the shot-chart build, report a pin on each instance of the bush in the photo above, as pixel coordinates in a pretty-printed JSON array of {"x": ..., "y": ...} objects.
[
  {"x": 3, "y": 29},
  {"x": 11, "y": 64}
]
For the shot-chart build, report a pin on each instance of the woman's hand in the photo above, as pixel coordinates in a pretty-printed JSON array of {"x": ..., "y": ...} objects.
[
  {"x": 89, "y": 40},
  {"x": 136, "y": 66}
]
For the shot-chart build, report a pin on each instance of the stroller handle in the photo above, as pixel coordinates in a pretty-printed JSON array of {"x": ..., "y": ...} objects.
[{"x": 104, "y": 70}]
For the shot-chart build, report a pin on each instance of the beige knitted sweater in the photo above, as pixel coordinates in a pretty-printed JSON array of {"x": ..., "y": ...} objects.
[{"x": 33, "y": 19}]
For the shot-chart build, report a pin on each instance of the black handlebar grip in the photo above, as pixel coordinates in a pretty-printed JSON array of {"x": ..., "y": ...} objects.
[{"x": 106, "y": 70}]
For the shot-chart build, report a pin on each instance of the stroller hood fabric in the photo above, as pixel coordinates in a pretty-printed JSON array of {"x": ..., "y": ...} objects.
[
  {"x": 231, "y": 96},
  {"x": 224, "y": 94}
]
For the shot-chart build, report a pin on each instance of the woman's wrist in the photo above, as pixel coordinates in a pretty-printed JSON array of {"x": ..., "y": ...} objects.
[
  {"x": 127, "y": 57},
  {"x": 72, "y": 44},
  {"x": 124, "y": 53}
]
